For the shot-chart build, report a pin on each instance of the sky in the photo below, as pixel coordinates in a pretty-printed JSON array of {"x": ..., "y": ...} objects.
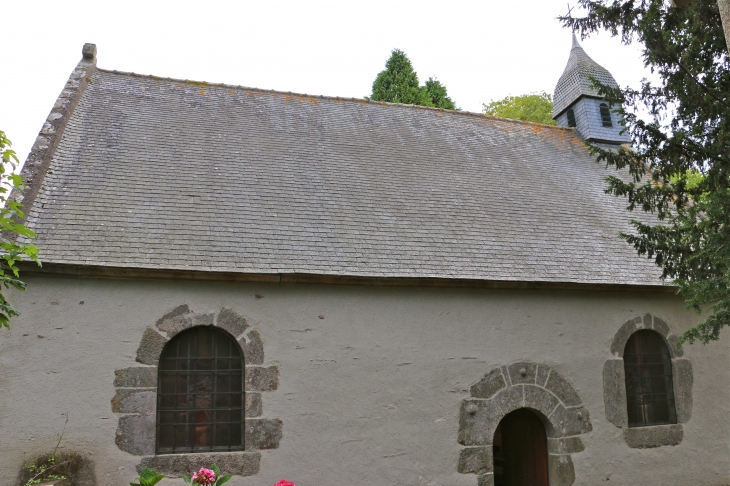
[{"x": 480, "y": 50}]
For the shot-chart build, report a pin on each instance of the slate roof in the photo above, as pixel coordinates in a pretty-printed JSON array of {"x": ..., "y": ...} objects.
[
  {"x": 165, "y": 174},
  {"x": 576, "y": 79}
]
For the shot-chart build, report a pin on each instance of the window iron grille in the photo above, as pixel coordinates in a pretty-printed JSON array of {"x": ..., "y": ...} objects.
[
  {"x": 200, "y": 393},
  {"x": 649, "y": 383}
]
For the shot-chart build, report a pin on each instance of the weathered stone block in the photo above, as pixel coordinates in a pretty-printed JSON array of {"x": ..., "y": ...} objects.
[
  {"x": 253, "y": 405},
  {"x": 489, "y": 385},
  {"x": 151, "y": 347},
  {"x": 253, "y": 350},
  {"x": 136, "y": 377},
  {"x": 661, "y": 327},
  {"x": 485, "y": 480},
  {"x": 260, "y": 378},
  {"x": 522, "y": 372},
  {"x": 202, "y": 319},
  {"x": 565, "y": 445},
  {"x": 135, "y": 400},
  {"x": 538, "y": 398},
  {"x": 560, "y": 387},
  {"x": 542, "y": 375},
  {"x": 622, "y": 337},
  {"x": 614, "y": 392},
  {"x": 510, "y": 399},
  {"x": 653, "y": 436},
  {"x": 505, "y": 373},
  {"x": 175, "y": 465},
  {"x": 175, "y": 324},
  {"x": 648, "y": 321},
  {"x": 674, "y": 348},
  {"x": 478, "y": 419},
  {"x": 475, "y": 460},
  {"x": 231, "y": 322},
  {"x": 570, "y": 421},
  {"x": 177, "y": 311},
  {"x": 136, "y": 434},
  {"x": 683, "y": 381},
  {"x": 560, "y": 470},
  {"x": 263, "y": 433}
]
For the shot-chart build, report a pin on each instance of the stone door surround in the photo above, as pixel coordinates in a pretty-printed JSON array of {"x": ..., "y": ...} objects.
[
  {"x": 528, "y": 385},
  {"x": 614, "y": 386},
  {"x": 135, "y": 402}
]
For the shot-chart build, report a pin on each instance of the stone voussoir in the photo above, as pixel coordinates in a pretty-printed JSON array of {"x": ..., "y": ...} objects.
[
  {"x": 522, "y": 373},
  {"x": 231, "y": 322},
  {"x": 253, "y": 348},
  {"x": 510, "y": 399},
  {"x": 560, "y": 387},
  {"x": 150, "y": 347},
  {"x": 489, "y": 385},
  {"x": 478, "y": 419},
  {"x": 570, "y": 421}
]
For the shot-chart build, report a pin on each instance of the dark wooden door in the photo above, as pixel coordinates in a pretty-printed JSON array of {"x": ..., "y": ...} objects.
[{"x": 520, "y": 451}]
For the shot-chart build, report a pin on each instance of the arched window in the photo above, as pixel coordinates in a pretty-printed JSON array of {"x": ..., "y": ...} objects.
[
  {"x": 605, "y": 115},
  {"x": 571, "y": 118},
  {"x": 200, "y": 393},
  {"x": 649, "y": 383}
]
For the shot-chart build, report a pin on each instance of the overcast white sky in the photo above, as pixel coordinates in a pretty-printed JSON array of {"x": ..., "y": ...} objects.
[{"x": 481, "y": 50}]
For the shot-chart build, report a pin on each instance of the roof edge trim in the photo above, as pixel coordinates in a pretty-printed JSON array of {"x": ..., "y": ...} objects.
[
  {"x": 202, "y": 84},
  {"x": 117, "y": 273},
  {"x": 41, "y": 153}
]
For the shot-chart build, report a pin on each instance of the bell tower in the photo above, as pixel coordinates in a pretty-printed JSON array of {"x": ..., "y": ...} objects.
[{"x": 577, "y": 104}]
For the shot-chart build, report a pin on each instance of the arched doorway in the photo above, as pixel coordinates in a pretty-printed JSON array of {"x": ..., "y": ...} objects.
[{"x": 520, "y": 450}]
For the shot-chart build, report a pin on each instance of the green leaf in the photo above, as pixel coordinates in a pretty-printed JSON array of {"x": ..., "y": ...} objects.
[
  {"x": 215, "y": 469},
  {"x": 187, "y": 479},
  {"x": 223, "y": 480}
]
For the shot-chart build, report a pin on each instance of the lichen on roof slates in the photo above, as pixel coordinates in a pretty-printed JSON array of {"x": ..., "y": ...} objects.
[{"x": 163, "y": 174}]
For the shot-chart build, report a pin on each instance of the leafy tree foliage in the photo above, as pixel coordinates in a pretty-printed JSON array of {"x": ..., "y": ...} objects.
[
  {"x": 680, "y": 164},
  {"x": 436, "y": 92},
  {"x": 398, "y": 83},
  {"x": 11, "y": 251},
  {"x": 534, "y": 107}
]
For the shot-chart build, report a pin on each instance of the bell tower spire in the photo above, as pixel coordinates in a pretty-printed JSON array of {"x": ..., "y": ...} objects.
[{"x": 576, "y": 103}]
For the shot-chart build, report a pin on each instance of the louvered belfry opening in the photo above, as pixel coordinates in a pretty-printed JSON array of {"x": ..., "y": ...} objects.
[
  {"x": 571, "y": 117},
  {"x": 200, "y": 393},
  {"x": 605, "y": 115},
  {"x": 649, "y": 383}
]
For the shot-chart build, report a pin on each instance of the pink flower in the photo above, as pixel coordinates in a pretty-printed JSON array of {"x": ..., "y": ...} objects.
[
  {"x": 284, "y": 482},
  {"x": 205, "y": 477}
]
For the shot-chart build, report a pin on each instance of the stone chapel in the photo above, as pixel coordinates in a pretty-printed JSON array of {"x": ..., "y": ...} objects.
[{"x": 334, "y": 290}]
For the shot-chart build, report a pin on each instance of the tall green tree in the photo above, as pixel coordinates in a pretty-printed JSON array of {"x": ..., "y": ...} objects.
[
  {"x": 11, "y": 251},
  {"x": 436, "y": 92},
  {"x": 534, "y": 107},
  {"x": 680, "y": 163},
  {"x": 398, "y": 82}
]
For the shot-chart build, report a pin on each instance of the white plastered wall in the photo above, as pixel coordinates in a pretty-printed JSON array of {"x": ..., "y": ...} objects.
[{"x": 369, "y": 393}]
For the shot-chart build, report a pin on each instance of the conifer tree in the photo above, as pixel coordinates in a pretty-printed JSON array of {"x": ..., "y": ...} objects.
[
  {"x": 680, "y": 162},
  {"x": 398, "y": 83},
  {"x": 436, "y": 92}
]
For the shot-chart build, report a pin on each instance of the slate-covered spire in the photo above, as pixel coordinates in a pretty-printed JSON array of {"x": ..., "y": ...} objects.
[{"x": 577, "y": 103}]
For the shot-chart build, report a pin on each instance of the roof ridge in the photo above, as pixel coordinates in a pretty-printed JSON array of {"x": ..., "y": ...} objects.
[{"x": 329, "y": 97}]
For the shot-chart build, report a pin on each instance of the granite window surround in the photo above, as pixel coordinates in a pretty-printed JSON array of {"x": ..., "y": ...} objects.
[
  {"x": 533, "y": 386},
  {"x": 614, "y": 386},
  {"x": 136, "y": 397}
]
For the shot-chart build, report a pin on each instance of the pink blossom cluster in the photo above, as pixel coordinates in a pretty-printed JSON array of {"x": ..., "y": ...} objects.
[
  {"x": 204, "y": 477},
  {"x": 284, "y": 482}
]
